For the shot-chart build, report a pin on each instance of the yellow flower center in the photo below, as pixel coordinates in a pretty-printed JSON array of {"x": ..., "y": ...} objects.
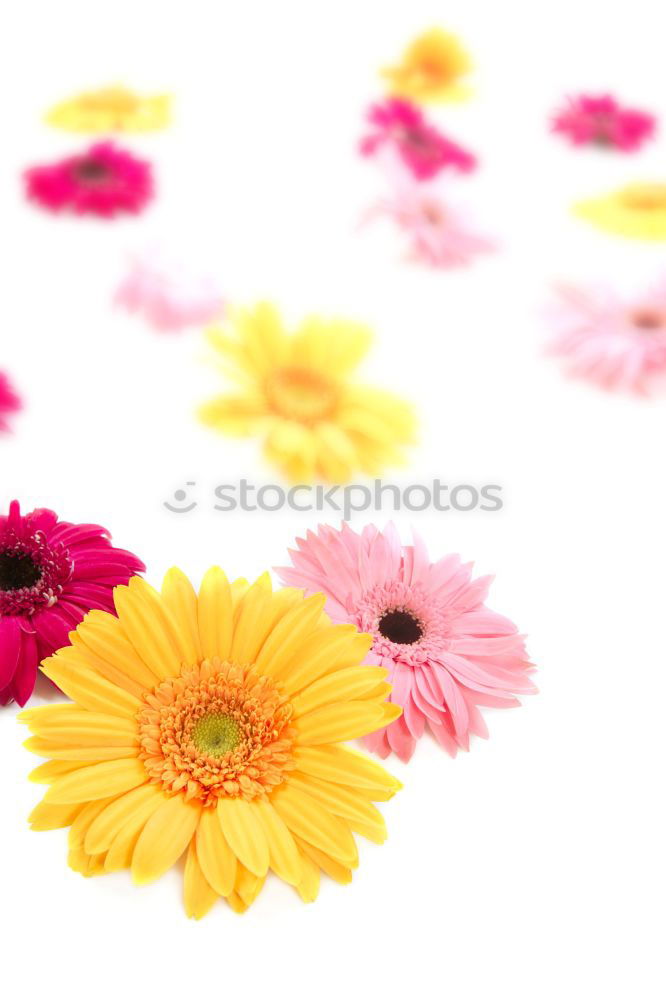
[
  {"x": 301, "y": 394},
  {"x": 218, "y": 730},
  {"x": 216, "y": 734},
  {"x": 645, "y": 197}
]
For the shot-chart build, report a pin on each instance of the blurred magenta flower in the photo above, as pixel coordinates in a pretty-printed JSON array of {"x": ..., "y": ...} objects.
[
  {"x": 615, "y": 343},
  {"x": 105, "y": 181},
  {"x": 9, "y": 401},
  {"x": 424, "y": 150},
  {"x": 169, "y": 296},
  {"x": 602, "y": 121}
]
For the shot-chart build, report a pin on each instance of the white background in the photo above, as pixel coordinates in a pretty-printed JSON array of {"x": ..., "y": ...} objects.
[{"x": 532, "y": 866}]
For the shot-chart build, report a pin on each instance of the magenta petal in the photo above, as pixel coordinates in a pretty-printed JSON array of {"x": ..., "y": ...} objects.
[{"x": 10, "y": 650}]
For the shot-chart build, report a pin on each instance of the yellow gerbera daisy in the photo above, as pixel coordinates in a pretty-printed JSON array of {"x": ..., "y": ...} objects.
[
  {"x": 638, "y": 211},
  {"x": 111, "y": 109},
  {"x": 297, "y": 392},
  {"x": 431, "y": 68},
  {"x": 210, "y": 725}
]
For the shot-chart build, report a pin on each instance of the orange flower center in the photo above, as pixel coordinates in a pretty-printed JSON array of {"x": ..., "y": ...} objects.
[
  {"x": 645, "y": 197},
  {"x": 114, "y": 99},
  {"x": 302, "y": 394},
  {"x": 217, "y": 731}
]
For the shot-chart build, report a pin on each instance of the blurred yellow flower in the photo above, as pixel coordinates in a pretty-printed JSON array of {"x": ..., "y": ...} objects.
[
  {"x": 637, "y": 211},
  {"x": 431, "y": 69},
  {"x": 296, "y": 391},
  {"x": 111, "y": 109}
]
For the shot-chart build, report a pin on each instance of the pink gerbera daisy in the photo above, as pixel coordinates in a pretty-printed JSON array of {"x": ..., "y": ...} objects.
[
  {"x": 402, "y": 128},
  {"x": 602, "y": 121},
  {"x": 438, "y": 234},
  {"x": 51, "y": 574},
  {"x": 617, "y": 343},
  {"x": 445, "y": 651},
  {"x": 9, "y": 402},
  {"x": 105, "y": 181},
  {"x": 167, "y": 295}
]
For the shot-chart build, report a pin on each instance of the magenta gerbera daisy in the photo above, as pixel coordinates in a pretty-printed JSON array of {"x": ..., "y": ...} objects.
[
  {"x": 602, "y": 121},
  {"x": 447, "y": 654},
  {"x": 105, "y": 180},
  {"x": 9, "y": 402},
  {"x": 401, "y": 127},
  {"x": 51, "y": 574}
]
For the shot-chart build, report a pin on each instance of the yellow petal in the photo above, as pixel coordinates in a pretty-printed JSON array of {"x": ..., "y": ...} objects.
[
  {"x": 86, "y": 864},
  {"x": 248, "y": 885},
  {"x": 329, "y": 649},
  {"x": 217, "y": 860},
  {"x": 109, "y": 823},
  {"x": 80, "y": 826},
  {"x": 180, "y": 600},
  {"x": 98, "y": 781},
  {"x": 90, "y": 690},
  {"x": 312, "y": 822},
  {"x": 343, "y": 685},
  {"x": 81, "y": 728},
  {"x": 198, "y": 895},
  {"x": 347, "y": 803},
  {"x": 339, "y": 722},
  {"x": 244, "y": 832},
  {"x": 100, "y": 644},
  {"x": 120, "y": 853},
  {"x": 60, "y": 751},
  {"x": 284, "y": 855},
  {"x": 48, "y": 817},
  {"x": 253, "y": 621},
  {"x": 332, "y": 868},
  {"x": 347, "y": 767},
  {"x": 215, "y": 614},
  {"x": 148, "y": 627},
  {"x": 52, "y": 769},
  {"x": 288, "y": 635},
  {"x": 308, "y": 887},
  {"x": 164, "y": 838}
]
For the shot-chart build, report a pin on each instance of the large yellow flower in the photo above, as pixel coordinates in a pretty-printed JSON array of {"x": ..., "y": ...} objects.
[
  {"x": 431, "y": 69},
  {"x": 637, "y": 211},
  {"x": 111, "y": 109},
  {"x": 210, "y": 725},
  {"x": 296, "y": 391}
]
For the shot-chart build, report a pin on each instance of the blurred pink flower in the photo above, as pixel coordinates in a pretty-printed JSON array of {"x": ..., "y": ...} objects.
[
  {"x": 446, "y": 653},
  {"x": 438, "y": 234},
  {"x": 601, "y": 121},
  {"x": 402, "y": 127},
  {"x": 103, "y": 181},
  {"x": 9, "y": 402},
  {"x": 168, "y": 296},
  {"x": 619, "y": 345}
]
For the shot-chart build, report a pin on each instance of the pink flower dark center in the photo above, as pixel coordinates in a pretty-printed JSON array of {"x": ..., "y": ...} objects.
[
  {"x": 18, "y": 572},
  {"x": 648, "y": 319},
  {"x": 91, "y": 171},
  {"x": 32, "y": 573},
  {"x": 400, "y": 626}
]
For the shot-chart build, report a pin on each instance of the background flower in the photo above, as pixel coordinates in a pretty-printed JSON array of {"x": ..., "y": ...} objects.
[
  {"x": 619, "y": 344},
  {"x": 10, "y": 403},
  {"x": 637, "y": 211},
  {"x": 210, "y": 725},
  {"x": 168, "y": 295},
  {"x": 104, "y": 181},
  {"x": 51, "y": 573},
  {"x": 401, "y": 126},
  {"x": 437, "y": 233},
  {"x": 446, "y": 653},
  {"x": 111, "y": 109},
  {"x": 298, "y": 392},
  {"x": 431, "y": 69},
  {"x": 602, "y": 121}
]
